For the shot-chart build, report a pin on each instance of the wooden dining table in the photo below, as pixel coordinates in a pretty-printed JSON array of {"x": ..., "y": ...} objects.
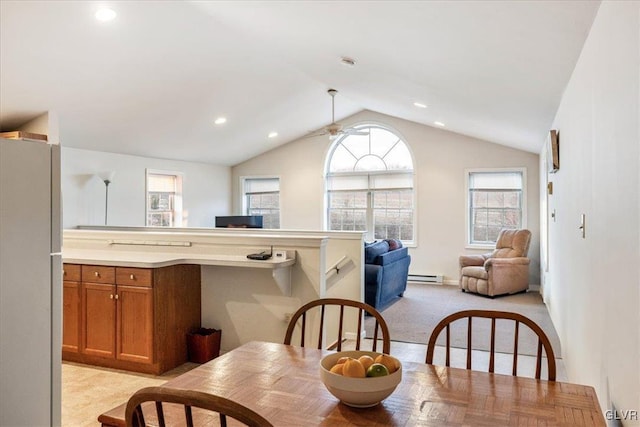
[{"x": 282, "y": 383}]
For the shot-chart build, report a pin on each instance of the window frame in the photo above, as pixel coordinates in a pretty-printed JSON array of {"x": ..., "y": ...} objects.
[
  {"x": 467, "y": 195},
  {"x": 370, "y": 234},
  {"x": 177, "y": 201},
  {"x": 243, "y": 194}
]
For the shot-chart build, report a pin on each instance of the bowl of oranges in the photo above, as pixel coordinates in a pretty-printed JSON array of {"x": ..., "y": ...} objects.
[{"x": 360, "y": 378}]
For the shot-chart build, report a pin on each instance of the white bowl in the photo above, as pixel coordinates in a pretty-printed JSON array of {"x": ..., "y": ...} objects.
[{"x": 357, "y": 392}]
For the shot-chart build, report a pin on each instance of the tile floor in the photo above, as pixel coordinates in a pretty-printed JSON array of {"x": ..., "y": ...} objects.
[{"x": 88, "y": 391}]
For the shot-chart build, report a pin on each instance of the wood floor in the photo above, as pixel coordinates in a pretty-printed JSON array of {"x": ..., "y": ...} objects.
[{"x": 88, "y": 391}]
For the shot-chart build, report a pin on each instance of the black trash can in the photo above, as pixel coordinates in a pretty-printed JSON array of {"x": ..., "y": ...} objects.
[{"x": 203, "y": 345}]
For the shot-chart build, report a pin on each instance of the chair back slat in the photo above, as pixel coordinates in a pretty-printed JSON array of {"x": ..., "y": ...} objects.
[
  {"x": 381, "y": 329},
  {"x": 321, "y": 333},
  {"x": 340, "y": 331},
  {"x": 515, "y": 349},
  {"x": 543, "y": 340},
  {"x": 448, "y": 362},
  {"x": 492, "y": 352},
  {"x": 188, "y": 398},
  {"x": 469, "y": 328},
  {"x": 188, "y": 416},
  {"x": 359, "y": 329},
  {"x": 304, "y": 323},
  {"x": 375, "y": 336},
  {"x": 160, "y": 414}
]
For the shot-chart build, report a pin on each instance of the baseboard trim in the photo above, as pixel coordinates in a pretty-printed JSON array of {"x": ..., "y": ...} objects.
[{"x": 532, "y": 288}]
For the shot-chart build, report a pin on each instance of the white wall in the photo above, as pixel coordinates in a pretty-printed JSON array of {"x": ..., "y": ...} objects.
[
  {"x": 441, "y": 158},
  {"x": 593, "y": 284},
  {"x": 205, "y": 189}
]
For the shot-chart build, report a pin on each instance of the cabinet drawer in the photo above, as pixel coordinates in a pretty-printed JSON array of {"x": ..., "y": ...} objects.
[
  {"x": 133, "y": 276},
  {"x": 71, "y": 272},
  {"x": 98, "y": 274}
]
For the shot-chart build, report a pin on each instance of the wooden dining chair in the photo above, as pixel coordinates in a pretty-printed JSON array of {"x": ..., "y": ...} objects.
[
  {"x": 321, "y": 304},
  {"x": 189, "y": 399},
  {"x": 543, "y": 340}
]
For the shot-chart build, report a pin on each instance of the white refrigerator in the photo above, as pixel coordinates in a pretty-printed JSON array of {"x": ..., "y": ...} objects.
[{"x": 30, "y": 283}]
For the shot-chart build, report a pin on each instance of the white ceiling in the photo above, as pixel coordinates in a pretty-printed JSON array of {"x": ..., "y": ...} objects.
[{"x": 152, "y": 81}]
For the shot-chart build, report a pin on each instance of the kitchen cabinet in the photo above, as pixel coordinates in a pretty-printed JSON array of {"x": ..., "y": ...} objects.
[
  {"x": 71, "y": 308},
  {"x": 136, "y": 318}
]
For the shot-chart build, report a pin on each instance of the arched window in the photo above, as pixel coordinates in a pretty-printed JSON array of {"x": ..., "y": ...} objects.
[{"x": 369, "y": 181}]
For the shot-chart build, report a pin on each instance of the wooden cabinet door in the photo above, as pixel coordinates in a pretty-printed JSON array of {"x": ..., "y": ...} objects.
[
  {"x": 71, "y": 316},
  {"x": 98, "y": 319},
  {"x": 134, "y": 336}
]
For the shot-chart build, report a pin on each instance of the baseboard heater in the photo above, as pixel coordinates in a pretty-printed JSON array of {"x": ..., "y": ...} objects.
[{"x": 425, "y": 278}]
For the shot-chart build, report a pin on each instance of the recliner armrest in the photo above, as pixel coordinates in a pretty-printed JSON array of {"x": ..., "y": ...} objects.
[
  {"x": 470, "y": 260},
  {"x": 506, "y": 261}
]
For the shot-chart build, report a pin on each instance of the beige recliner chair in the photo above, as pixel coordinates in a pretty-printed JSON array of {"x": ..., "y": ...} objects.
[{"x": 503, "y": 271}]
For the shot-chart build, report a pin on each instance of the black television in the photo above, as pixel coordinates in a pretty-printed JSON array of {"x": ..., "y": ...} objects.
[{"x": 239, "y": 221}]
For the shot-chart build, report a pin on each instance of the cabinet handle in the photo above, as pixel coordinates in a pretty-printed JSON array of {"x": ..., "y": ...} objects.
[
  {"x": 111, "y": 296},
  {"x": 97, "y": 274},
  {"x": 116, "y": 296},
  {"x": 132, "y": 277}
]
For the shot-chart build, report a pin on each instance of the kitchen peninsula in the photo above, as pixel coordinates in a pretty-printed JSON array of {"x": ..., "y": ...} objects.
[{"x": 193, "y": 277}]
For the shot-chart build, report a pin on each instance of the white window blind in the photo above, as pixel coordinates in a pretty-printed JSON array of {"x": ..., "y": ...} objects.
[
  {"x": 261, "y": 185},
  {"x": 161, "y": 183},
  {"x": 495, "y": 180}
]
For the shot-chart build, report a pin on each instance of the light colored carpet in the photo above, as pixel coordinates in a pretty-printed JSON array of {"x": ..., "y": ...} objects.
[{"x": 414, "y": 316}]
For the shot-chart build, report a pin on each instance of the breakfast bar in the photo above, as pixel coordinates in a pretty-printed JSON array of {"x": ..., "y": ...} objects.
[{"x": 128, "y": 288}]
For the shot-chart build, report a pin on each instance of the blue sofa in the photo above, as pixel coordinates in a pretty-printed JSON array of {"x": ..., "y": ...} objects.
[{"x": 385, "y": 272}]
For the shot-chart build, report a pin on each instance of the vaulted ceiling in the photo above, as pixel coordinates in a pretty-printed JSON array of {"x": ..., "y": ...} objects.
[{"x": 152, "y": 81}]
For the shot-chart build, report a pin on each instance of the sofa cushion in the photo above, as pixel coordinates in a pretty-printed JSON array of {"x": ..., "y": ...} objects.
[
  {"x": 373, "y": 250},
  {"x": 394, "y": 244}
]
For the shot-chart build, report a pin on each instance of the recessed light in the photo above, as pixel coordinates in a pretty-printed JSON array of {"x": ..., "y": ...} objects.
[
  {"x": 420, "y": 105},
  {"x": 438, "y": 124},
  {"x": 105, "y": 14},
  {"x": 348, "y": 61},
  {"x": 272, "y": 134},
  {"x": 220, "y": 120}
]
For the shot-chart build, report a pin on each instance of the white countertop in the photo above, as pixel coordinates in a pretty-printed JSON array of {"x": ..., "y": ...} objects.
[{"x": 164, "y": 259}]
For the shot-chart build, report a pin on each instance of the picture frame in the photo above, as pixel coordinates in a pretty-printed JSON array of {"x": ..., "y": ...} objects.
[{"x": 553, "y": 152}]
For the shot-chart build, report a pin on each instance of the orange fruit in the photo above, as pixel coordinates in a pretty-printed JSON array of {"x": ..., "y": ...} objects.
[
  {"x": 390, "y": 362},
  {"x": 342, "y": 360},
  {"x": 366, "y": 361},
  {"x": 337, "y": 368},
  {"x": 354, "y": 369}
]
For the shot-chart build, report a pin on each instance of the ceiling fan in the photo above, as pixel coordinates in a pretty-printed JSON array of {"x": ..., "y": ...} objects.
[{"x": 334, "y": 130}]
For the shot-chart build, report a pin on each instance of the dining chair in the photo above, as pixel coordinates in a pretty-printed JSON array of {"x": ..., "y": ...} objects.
[
  {"x": 543, "y": 340},
  {"x": 380, "y": 331},
  {"x": 189, "y": 399}
]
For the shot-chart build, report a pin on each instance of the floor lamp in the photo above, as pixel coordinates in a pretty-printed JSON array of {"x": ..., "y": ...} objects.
[{"x": 106, "y": 177}]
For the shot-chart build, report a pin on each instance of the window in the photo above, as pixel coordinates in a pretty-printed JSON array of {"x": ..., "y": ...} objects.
[
  {"x": 164, "y": 199},
  {"x": 369, "y": 185},
  {"x": 262, "y": 197},
  {"x": 495, "y": 201}
]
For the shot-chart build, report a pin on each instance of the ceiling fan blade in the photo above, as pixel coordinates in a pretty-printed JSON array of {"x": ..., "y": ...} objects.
[
  {"x": 314, "y": 134},
  {"x": 356, "y": 132}
]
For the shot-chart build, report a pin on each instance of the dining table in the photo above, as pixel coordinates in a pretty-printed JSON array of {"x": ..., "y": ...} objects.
[{"x": 282, "y": 383}]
